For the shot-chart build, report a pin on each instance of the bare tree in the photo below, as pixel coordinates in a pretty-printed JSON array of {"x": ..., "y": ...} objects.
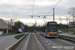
[{"x": 72, "y": 13}]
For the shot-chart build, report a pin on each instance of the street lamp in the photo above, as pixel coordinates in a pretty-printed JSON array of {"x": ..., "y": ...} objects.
[
  {"x": 53, "y": 14},
  {"x": 7, "y": 26},
  {"x": 7, "y": 29},
  {"x": 44, "y": 18}
]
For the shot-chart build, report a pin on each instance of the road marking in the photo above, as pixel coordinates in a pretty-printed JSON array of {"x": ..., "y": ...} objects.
[
  {"x": 46, "y": 41},
  {"x": 49, "y": 44},
  {"x": 26, "y": 43},
  {"x": 39, "y": 44}
]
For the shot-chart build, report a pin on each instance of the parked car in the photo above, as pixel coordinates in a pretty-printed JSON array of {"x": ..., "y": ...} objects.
[
  {"x": 59, "y": 31},
  {"x": 19, "y": 30}
]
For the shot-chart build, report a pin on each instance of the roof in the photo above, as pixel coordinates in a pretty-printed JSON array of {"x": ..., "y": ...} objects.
[
  {"x": 51, "y": 21},
  {"x": 5, "y": 21}
]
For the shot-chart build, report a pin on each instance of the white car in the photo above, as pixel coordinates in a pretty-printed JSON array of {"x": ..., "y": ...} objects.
[
  {"x": 19, "y": 30},
  {"x": 1, "y": 33},
  {"x": 59, "y": 31}
]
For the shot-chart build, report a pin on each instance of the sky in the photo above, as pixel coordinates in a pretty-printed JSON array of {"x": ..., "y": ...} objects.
[{"x": 23, "y": 9}]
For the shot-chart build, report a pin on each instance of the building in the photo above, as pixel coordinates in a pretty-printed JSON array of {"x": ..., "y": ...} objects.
[
  {"x": 4, "y": 24},
  {"x": 71, "y": 25}
]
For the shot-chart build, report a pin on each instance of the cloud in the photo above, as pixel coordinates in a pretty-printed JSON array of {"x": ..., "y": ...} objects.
[
  {"x": 16, "y": 2},
  {"x": 24, "y": 8}
]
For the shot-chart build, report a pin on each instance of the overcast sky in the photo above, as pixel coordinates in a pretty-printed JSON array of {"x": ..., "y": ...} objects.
[{"x": 23, "y": 8}]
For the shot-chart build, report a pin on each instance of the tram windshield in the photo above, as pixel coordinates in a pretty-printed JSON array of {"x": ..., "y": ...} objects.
[{"x": 52, "y": 28}]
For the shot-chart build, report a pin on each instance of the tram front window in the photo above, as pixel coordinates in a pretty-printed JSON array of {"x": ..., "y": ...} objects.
[{"x": 52, "y": 28}]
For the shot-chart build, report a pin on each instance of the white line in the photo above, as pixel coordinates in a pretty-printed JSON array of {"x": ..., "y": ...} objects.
[
  {"x": 49, "y": 44},
  {"x": 26, "y": 43},
  {"x": 46, "y": 41},
  {"x": 39, "y": 44}
]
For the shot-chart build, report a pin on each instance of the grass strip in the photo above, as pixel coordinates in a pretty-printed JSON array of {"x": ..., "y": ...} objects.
[
  {"x": 66, "y": 31},
  {"x": 19, "y": 36},
  {"x": 12, "y": 33},
  {"x": 72, "y": 38}
]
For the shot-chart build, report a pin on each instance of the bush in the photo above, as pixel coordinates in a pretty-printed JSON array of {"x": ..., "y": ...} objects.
[{"x": 11, "y": 30}]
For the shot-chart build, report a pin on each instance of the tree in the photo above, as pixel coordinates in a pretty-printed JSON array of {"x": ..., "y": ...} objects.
[
  {"x": 17, "y": 25},
  {"x": 72, "y": 13}
]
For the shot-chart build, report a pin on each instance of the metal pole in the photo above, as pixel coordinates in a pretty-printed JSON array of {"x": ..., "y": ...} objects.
[
  {"x": 53, "y": 14},
  {"x": 73, "y": 22},
  {"x": 60, "y": 23},
  {"x": 7, "y": 27},
  {"x": 67, "y": 21},
  {"x": 44, "y": 18},
  {"x": 35, "y": 23}
]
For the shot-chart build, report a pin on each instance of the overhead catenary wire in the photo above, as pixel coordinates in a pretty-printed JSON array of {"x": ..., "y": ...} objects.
[
  {"x": 48, "y": 12},
  {"x": 32, "y": 9},
  {"x": 53, "y": 7}
]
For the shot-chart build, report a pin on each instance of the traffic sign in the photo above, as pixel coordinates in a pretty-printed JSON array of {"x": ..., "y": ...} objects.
[{"x": 22, "y": 25}]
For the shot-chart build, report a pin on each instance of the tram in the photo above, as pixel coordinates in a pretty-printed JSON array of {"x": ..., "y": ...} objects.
[{"x": 51, "y": 29}]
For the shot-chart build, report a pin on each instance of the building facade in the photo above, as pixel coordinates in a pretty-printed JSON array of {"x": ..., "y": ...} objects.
[
  {"x": 72, "y": 25},
  {"x": 4, "y": 24}
]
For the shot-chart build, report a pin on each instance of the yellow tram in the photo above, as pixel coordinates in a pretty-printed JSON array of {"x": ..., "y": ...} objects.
[{"x": 51, "y": 29}]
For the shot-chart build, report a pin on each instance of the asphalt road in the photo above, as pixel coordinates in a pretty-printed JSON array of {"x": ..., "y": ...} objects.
[
  {"x": 6, "y": 41},
  {"x": 30, "y": 43},
  {"x": 55, "y": 43}
]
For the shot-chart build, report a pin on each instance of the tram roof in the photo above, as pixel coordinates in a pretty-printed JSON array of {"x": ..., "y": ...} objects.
[{"x": 51, "y": 21}]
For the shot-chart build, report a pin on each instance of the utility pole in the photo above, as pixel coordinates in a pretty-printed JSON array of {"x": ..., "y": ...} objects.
[
  {"x": 67, "y": 21},
  {"x": 44, "y": 18},
  {"x": 60, "y": 21},
  {"x": 54, "y": 10},
  {"x": 53, "y": 14},
  {"x": 35, "y": 24},
  {"x": 7, "y": 26}
]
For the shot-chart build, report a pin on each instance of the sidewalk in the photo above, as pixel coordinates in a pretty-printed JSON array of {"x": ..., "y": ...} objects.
[
  {"x": 6, "y": 41},
  {"x": 67, "y": 34}
]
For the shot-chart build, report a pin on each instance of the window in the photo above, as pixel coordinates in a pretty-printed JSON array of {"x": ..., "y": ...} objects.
[{"x": 52, "y": 28}]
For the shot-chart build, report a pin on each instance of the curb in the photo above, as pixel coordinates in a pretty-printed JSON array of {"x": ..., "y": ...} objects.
[
  {"x": 24, "y": 47},
  {"x": 67, "y": 39},
  {"x": 11, "y": 47}
]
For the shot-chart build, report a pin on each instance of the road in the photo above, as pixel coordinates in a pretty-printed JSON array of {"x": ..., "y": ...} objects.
[
  {"x": 35, "y": 41},
  {"x": 6, "y": 41},
  {"x": 55, "y": 43}
]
